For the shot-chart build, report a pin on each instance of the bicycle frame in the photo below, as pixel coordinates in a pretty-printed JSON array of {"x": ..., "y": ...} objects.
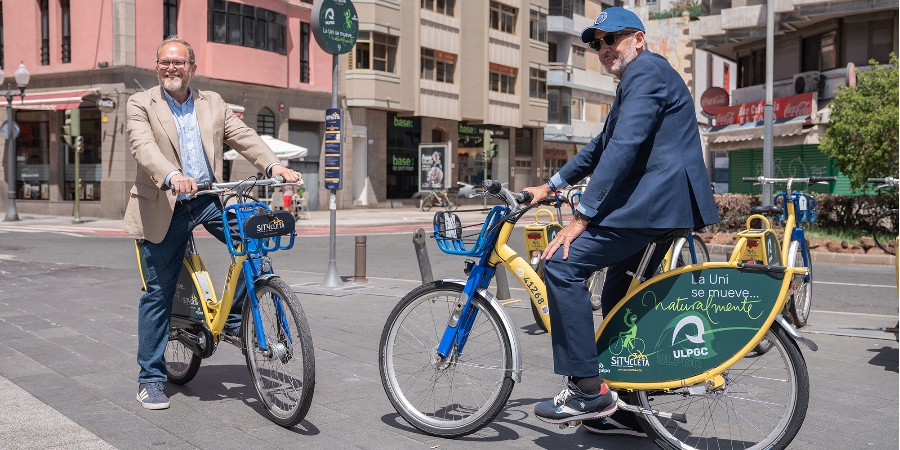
[{"x": 494, "y": 250}]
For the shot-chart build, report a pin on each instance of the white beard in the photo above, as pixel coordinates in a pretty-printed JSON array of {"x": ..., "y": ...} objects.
[
  {"x": 172, "y": 85},
  {"x": 618, "y": 66}
]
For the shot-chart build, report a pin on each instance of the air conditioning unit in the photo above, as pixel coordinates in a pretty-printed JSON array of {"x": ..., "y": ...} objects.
[{"x": 806, "y": 82}]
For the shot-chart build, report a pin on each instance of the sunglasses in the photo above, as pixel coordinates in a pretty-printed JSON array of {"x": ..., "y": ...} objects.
[{"x": 609, "y": 39}]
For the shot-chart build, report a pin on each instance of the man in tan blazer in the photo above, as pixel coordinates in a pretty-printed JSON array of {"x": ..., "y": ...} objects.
[{"x": 176, "y": 135}]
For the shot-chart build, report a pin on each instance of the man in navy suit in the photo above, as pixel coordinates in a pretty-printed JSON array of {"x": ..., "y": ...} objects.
[{"x": 647, "y": 178}]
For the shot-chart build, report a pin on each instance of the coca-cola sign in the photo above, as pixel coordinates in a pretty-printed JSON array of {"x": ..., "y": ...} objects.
[
  {"x": 783, "y": 108},
  {"x": 713, "y": 99}
]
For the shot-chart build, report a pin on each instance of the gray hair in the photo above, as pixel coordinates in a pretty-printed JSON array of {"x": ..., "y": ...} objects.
[{"x": 179, "y": 40}]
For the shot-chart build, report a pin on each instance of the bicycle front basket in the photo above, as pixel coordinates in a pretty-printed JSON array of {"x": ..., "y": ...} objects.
[{"x": 450, "y": 237}]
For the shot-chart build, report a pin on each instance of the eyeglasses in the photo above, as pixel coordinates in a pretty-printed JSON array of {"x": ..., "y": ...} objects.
[
  {"x": 609, "y": 39},
  {"x": 177, "y": 64}
]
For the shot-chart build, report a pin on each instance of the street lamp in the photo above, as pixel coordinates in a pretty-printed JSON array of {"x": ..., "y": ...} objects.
[{"x": 22, "y": 77}]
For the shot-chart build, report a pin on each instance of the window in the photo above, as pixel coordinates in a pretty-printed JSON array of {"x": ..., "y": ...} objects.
[
  {"x": 265, "y": 122},
  {"x": 376, "y": 51},
  {"x": 45, "y": 33},
  {"x": 567, "y": 8},
  {"x": 170, "y": 18},
  {"x": 438, "y": 66},
  {"x": 444, "y": 7},
  {"x": 538, "y": 30},
  {"x": 537, "y": 83},
  {"x": 503, "y": 79},
  {"x": 577, "y": 108},
  {"x": 819, "y": 52},
  {"x": 304, "y": 52},
  {"x": 752, "y": 69},
  {"x": 578, "y": 57},
  {"x": 66, "y": 35},
  {"x": 503, "y": 17},
  {"x": 247, "y": 26},
  {"x": 559, "y": 106}
]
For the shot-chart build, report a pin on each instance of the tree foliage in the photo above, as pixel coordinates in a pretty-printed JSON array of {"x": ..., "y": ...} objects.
[{"x": 862, "y": 133}]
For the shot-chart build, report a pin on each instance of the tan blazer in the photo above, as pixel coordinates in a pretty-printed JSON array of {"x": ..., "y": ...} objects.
[{"x": 154, "y": 145}]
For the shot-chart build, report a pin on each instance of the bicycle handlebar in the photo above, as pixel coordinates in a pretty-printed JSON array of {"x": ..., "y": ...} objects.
[
  {"x": 810, "y": 180},
  {"x": 888, "y": 181}
]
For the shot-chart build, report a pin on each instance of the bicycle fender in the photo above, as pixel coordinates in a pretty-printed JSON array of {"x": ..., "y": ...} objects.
[
  {"x": 792, "y": 331},
  {"x": 505, "y": 321}
]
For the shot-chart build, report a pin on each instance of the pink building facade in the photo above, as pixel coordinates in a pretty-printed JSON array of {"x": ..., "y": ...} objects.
[{"x": 260, "y": 55}]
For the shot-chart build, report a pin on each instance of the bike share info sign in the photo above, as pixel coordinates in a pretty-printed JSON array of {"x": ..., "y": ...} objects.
[
  {"x": 335, "y": 25},
  {"x": 333, "y": 149}
]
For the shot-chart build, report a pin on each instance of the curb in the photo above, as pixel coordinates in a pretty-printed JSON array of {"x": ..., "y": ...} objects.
[{"x": 825, "y": 257}]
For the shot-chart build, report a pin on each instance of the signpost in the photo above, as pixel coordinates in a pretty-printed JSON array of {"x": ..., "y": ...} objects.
[{"x": 336, "y": 28}]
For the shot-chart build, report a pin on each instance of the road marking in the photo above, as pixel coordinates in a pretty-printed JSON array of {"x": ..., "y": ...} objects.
[
  {"x": 510, "y": 301},
  {"x": 845, "y": 313},
  {"x": 855, "y": 284}
]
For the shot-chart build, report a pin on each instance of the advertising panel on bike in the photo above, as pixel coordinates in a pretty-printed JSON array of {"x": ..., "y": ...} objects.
[
  {"x": 686, "y": 324},
  {"x": 435, "y": 161}
]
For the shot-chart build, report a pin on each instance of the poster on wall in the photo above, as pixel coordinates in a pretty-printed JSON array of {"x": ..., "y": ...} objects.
[
  {"x": 45, "y": 191},
  {"x": 434, "y": 163},
  {"x": 89, "y": 191}
]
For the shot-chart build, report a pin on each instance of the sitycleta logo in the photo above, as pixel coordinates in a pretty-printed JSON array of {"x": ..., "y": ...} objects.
[{"x": 274, "y": 224}]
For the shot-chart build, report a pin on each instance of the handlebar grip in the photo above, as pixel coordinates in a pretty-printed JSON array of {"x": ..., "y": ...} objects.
[
  {"x": 523, "y": 197},
  {"x": 750, "y": 179},
  {"x": 204, "y": 186},
  {"x": 553, "y": 200},
  {"x": 493, "y": 187},
  {"x": 877, "y": 180},
  {"x": 821, "y": 179}
]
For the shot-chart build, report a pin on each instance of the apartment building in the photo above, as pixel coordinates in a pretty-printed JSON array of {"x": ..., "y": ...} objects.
[
  {"x": 255, "y": 53},
  {"x": 444, "y": 71},
  {"x": 818, "y": 44}
]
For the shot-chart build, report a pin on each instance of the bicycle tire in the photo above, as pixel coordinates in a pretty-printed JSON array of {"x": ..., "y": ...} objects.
[
  {"x": 181, "y": 363},
  {"x": 275, "y": 372},
  {"x": 427, "y": 203},
  {"x": 684, "y": 252},
  {"x": 746, "y": 405},
  {"x": 423, "y": 392},
  {"x": 886, "y": 226},
  {"x": 800, "y": 298}
]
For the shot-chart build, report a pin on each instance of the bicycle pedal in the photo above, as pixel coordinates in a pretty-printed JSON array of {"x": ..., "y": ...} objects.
[{"x": 570, "y": 424}]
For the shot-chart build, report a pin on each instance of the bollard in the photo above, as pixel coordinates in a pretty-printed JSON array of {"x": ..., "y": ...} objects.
[
  {"x": 359, "y": 269},
  {"x": 422, "y": 256},
  {"x": 502, "y": 284}
]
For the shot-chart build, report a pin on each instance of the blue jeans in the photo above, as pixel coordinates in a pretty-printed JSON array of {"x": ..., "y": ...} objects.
[
  {"x": 164, "y": 263},
  {"x": 571, "y": 318}
]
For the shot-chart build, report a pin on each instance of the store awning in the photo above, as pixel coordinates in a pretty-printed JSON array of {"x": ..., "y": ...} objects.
[
  {"x": 52, "y": 101},
  {"x": 754, "y": 130},
  {"x": 283, "y": 150}
]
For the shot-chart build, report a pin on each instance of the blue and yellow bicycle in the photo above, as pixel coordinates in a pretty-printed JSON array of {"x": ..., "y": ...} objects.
[
  {"x": 275, "y": 336},
  {"x": 679, "y": 348}
]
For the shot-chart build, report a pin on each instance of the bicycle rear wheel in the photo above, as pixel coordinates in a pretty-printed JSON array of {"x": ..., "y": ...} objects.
[
  {"x": 427, "y": 202},
  {"x": 459, "y": 395},
  {"x": 761, "y": 405},
  {"x": 683, "y": 252},
  {"x": 800, "y": 300},
  {"x": 284, "y": 373},
  {"x": 181, "y": 363},
  {"x": 885, "y": 230}
]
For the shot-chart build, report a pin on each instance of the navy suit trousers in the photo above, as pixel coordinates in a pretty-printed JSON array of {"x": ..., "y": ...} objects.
[{"x": 571, "y": 317}]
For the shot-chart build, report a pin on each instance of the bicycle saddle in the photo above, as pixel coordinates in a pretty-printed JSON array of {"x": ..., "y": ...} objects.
[
  {"x": 672, "y": 235},
  {"x": 772, "y": 209}
]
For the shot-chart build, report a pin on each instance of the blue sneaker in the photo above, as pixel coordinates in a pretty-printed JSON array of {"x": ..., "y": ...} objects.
[
  {"x": 572, "y": 404},
  {"x": 151, "y": 396}
]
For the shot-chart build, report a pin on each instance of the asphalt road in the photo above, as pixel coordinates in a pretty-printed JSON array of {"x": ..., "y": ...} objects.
[{"x": 67, "y": 342}]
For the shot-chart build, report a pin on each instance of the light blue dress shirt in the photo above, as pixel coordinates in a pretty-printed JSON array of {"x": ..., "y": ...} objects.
[{"x": 194, "y": 163}]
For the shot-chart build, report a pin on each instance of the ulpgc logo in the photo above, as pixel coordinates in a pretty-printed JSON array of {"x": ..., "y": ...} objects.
[{"x": 687, "y": 336}]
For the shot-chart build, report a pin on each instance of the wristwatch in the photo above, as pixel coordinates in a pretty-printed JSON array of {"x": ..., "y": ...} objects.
[{"x": 581, "y": 216}]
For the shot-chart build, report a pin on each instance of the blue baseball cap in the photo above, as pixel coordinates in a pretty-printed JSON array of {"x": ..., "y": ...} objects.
[{"x": 612, "y": 20}]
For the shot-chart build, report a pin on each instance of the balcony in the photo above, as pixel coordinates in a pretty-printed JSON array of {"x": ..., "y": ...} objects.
[{"x": 566, "y": 75}]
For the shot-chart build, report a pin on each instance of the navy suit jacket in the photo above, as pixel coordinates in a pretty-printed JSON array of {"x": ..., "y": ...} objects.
[{"x": 646, "y": 167}]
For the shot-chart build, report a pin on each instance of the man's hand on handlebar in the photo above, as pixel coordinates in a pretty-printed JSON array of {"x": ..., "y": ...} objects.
[
  {"x": 182, "y": 184},
  {"x": 539, "y": 193},
  {"x": 290, "y": 176}
]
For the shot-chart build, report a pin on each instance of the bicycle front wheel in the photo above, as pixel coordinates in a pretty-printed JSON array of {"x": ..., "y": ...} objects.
[
  {"x": 427, "y": 203},
  {"x": 181, "y": 363},
  {"x": 456, "y": 396},
  {"x": 800, "y": 300},
  {"x": 885, "y": 230},
  {"x": 761, "y": 404},
  {"x": 284, "y": 372}
]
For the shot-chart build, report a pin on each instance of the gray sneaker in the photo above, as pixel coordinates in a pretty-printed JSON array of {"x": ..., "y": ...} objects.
[{"x": 151, "y": 396}]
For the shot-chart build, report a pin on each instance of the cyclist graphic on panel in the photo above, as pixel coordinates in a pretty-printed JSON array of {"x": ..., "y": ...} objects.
[
  {"x": 176, "y": 136},
  {"x": 627, "y": 337},
  {"x": 647, "y": 178}
]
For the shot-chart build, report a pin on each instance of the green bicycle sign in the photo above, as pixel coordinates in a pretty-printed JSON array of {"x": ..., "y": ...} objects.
[{"x": 335, "y": 25}]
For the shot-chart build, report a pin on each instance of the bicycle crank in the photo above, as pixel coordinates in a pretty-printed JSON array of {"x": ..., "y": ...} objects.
[{"x": 680, "y": 417}]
